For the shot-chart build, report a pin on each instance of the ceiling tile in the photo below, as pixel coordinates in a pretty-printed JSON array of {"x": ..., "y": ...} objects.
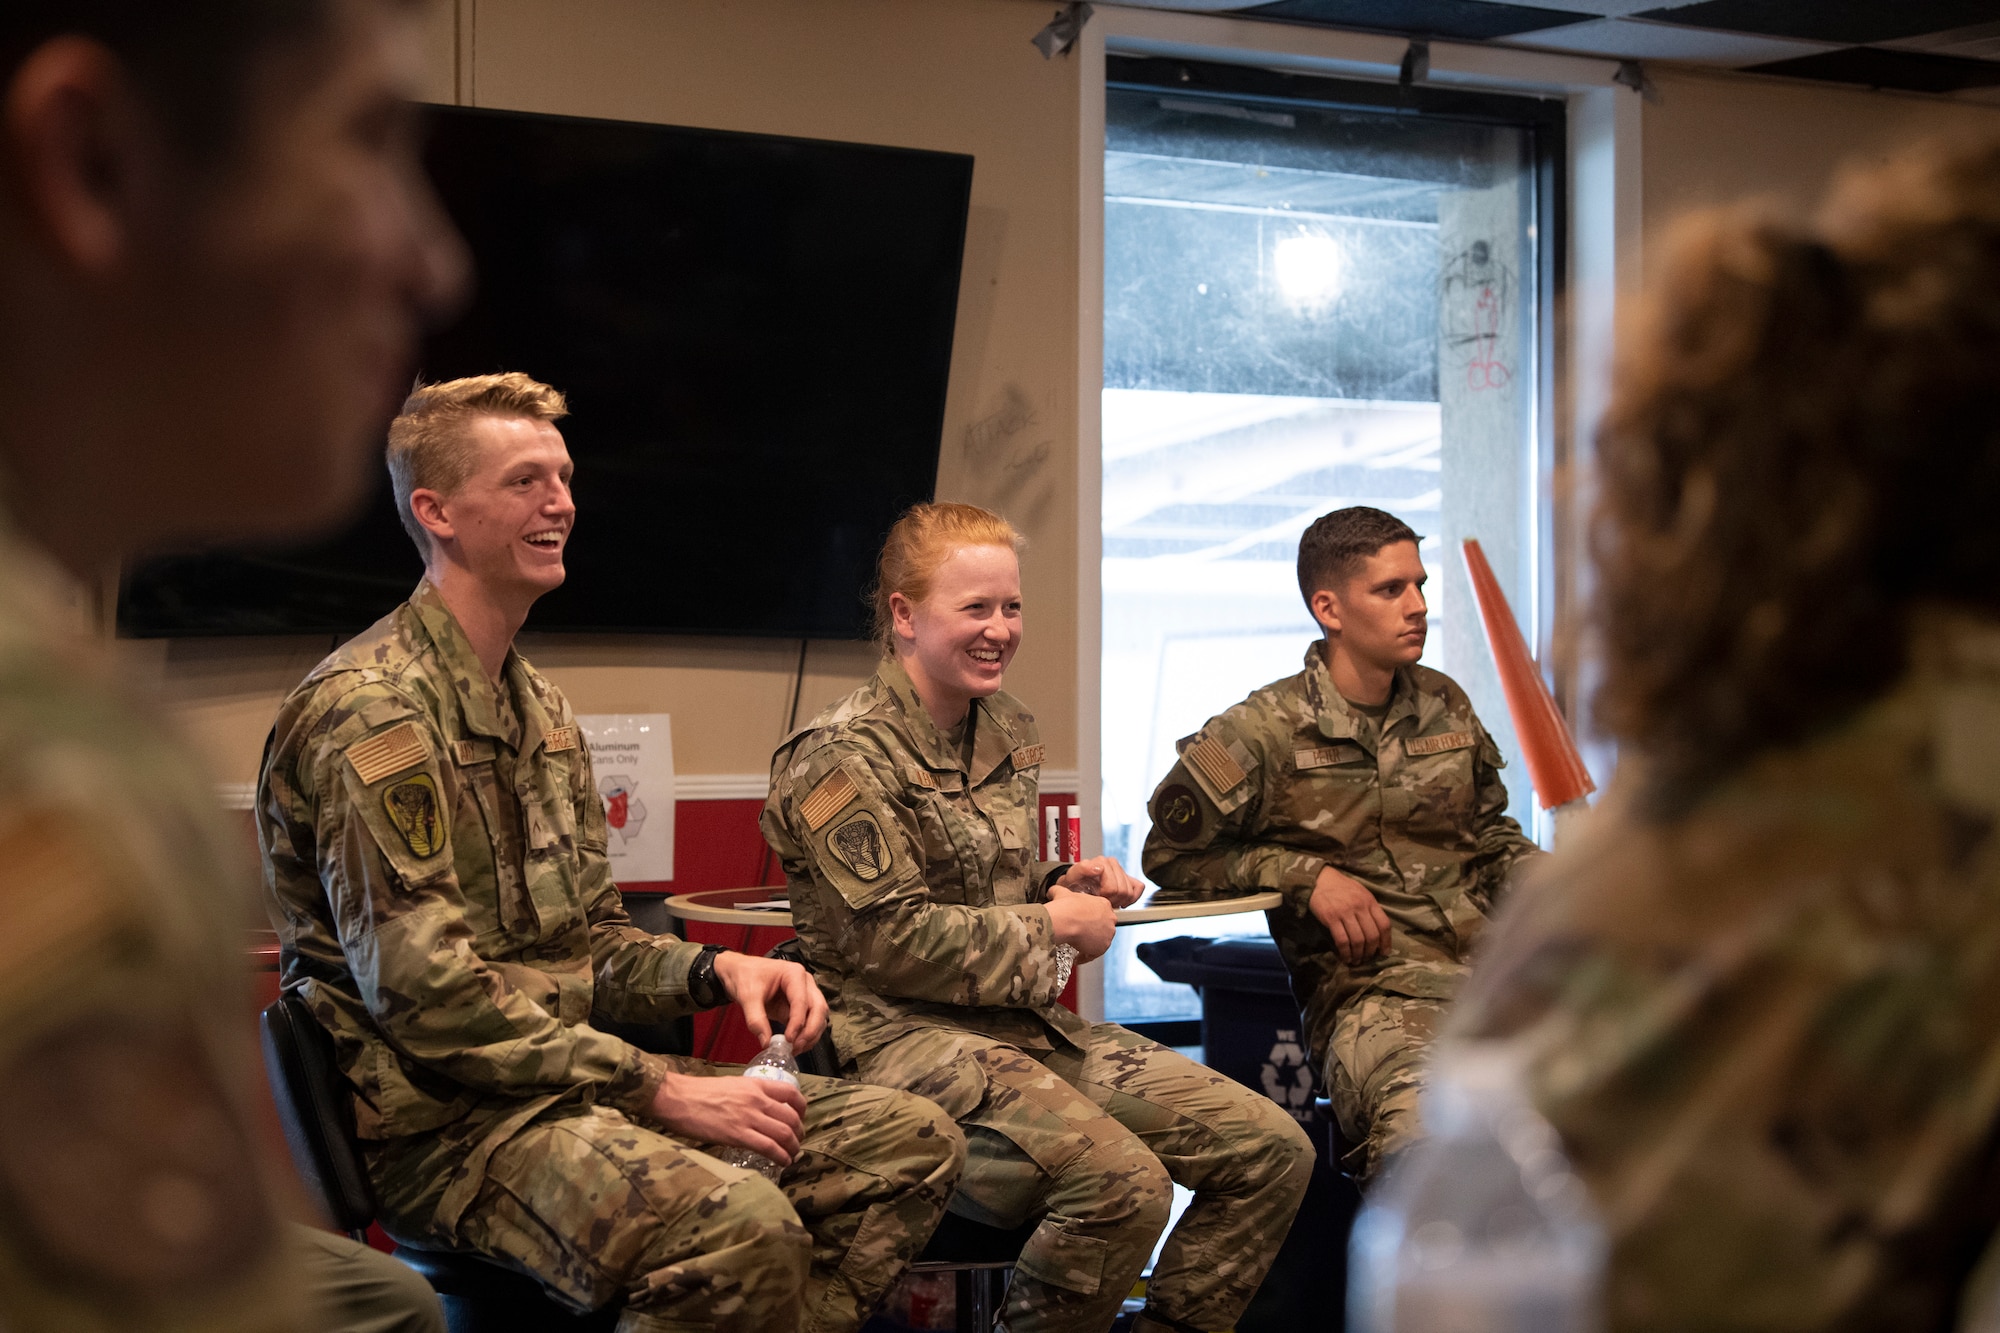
[
  {"x": 1469, "y": 19},
  {"x": 1599, "y": 8},
  {"x": 1829, "y": 20},
  {"x": 1979, "y": 42},
  {"x": 1198, "y": 6},
  {"x": 1879, "y": 67},
  {"x": 1626, "y": 39}
]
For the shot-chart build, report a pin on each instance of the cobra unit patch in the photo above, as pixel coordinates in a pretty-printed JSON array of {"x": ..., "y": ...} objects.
[
  {"x": 412, "y": 805},
  {"x": 1180, "y": 813},
  {"x": 861, "y": 847}
]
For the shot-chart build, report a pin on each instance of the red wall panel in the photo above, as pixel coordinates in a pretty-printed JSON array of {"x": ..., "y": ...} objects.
[{"x": 717, "y": 845}]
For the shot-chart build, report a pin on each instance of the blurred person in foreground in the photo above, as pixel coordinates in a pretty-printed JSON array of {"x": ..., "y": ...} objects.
[
  {"x": 216, "y": 254},
  {"x": 1759, "y": 996}
]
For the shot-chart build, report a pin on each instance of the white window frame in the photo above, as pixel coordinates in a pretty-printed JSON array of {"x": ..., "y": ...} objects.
[{"x": 1603, "y": 146}]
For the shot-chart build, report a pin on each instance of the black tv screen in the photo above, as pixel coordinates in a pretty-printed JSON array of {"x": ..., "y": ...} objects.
[{"x": 754, "y": 334}]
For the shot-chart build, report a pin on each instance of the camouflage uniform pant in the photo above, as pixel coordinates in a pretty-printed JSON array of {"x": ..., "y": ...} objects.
[
  {"x": 354, "y": 1289},
  {"x": 1087, "y": 1139},
  {"x": 599, "y": 1207},
  {"x": 1373, "y": 1070}
]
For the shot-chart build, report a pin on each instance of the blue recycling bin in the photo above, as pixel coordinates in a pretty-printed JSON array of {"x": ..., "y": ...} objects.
[
  {"x": 1250, "y": 1032},
  {"x": 1249, "y": 1023}
]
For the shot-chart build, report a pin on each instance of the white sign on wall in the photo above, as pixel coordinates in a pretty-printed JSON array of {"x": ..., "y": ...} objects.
[{"x": 632, "y": 763}]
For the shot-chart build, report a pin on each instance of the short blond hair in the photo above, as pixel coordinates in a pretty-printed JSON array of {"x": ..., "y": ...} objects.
[
  {"x": 921, "y": 541},
  {"x": 429, "y": 447}
]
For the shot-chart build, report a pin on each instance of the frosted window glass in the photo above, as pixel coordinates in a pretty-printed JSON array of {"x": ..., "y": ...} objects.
[{"x": 1303, "y": 310}]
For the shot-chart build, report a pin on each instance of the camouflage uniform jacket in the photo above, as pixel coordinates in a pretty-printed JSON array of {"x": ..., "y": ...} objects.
[
  {"x": 441, "y": 889},
  {"x": 1768, "y": 1029},
  {"x": 914, "y": 880},
  {"x": 134, "y": 1190},
  {"x": 1293, "y": 779}
]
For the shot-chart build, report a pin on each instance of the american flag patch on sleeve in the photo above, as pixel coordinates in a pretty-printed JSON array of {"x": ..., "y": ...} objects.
[
  {"x": 828, "y": 799},
  {"x": 1216, "y": 766},
  {"x": 390, "y": 753}
]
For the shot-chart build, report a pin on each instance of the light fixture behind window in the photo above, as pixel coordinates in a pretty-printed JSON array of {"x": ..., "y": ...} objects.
[{"x": 1311, "y": 269}]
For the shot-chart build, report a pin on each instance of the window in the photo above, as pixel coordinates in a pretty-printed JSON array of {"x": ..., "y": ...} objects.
[{"x": 1317, "y": 294}]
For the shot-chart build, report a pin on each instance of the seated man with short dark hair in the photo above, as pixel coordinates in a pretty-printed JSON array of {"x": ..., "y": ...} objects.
[
  {"x": 1365, "y": 790},
  {"x": 436, "y": 850}
]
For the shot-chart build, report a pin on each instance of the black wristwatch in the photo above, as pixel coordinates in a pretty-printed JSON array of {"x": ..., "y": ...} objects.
[{"x": 702, "y": 987}]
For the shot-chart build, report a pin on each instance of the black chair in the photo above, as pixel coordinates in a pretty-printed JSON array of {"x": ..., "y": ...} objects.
[
  {"x": 1335, "y": 1150},
  {"x": 317, "y": 1112},
  {"x": 980, "y": 1258}
]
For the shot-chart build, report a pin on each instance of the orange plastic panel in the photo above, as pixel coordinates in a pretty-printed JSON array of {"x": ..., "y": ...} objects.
[{"x": 1554, "y": 766}]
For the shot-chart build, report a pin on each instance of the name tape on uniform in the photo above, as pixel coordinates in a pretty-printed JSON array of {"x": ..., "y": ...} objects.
[
  {"x": 1450, "y": 740},
  {"x": 471, "y": 752},
  {"x": 1027, "y": 756},
  {"x": 1325, "y": 756},
  {"x": 560, "y": 739},
  {"x": 390, "y": 753},
  {"x": 922, "y": 777},
  {"x": 1208, "y": 757},
  {"x": 828, "y": 799}
]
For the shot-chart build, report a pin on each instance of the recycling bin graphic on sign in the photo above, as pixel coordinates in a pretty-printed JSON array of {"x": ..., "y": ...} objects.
[
  {"x": 624, "y": 812},
  {"x": 632, "y": 761},
  {"x": 1287, "y": 1076}
]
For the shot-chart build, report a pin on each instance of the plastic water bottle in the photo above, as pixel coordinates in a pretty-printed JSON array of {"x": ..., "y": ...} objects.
[
  {"x": 1065, "y": 956},
  {"x": 775, "y": 1063},
  {"x": 1481, "y": 1227}
]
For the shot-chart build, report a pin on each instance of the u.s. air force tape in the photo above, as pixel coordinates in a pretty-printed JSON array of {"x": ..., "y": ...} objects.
[
  {"x": 560, "y": 739},
  {"x": 1027, "y": 756},
  {"x": 1450, "y": 740},
  {"x": 393, "y": 751},
  {"x": 828, "y": 799}
]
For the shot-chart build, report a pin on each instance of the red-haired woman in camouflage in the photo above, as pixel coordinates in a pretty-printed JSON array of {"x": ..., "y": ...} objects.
[{"x": 905, "y": 818}]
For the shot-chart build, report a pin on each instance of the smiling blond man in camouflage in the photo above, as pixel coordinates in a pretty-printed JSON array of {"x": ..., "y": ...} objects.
[{"x": 435, "y": 852}]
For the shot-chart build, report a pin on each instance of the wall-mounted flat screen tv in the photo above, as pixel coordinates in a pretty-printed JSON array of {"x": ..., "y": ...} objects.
[{"x": 754, "y": 334}]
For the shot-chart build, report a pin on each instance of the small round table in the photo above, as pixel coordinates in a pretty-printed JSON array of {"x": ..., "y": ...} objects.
[{"x": 769, "y": 907}]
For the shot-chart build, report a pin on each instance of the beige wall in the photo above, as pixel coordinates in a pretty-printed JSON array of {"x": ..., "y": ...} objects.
[
  {"x": 952, "y": 75},
  {"x": 1717, "y": 138},
  {"x": 956, "y": 75}
]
